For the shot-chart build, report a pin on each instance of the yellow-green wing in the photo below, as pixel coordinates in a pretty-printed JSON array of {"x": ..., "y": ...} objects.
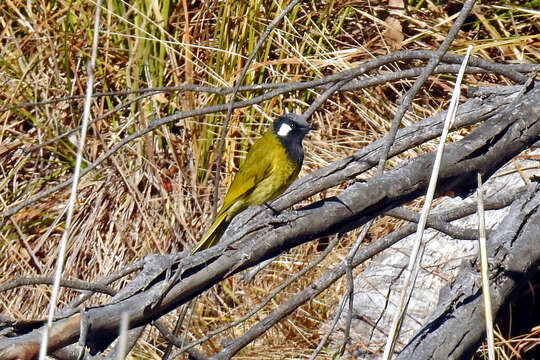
[{"x": 256, "y": 167}]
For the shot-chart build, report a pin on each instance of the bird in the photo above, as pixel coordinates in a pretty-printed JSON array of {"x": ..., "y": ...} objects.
[{"x": 271, "y": 165}]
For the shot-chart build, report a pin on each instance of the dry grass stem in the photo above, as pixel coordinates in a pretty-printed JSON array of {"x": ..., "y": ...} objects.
[
  {"x": 418, "y": 246},
  {"x": 484, "y": 267}
]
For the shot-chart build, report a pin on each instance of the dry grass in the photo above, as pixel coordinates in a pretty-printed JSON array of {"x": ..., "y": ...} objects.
[{"x": 154, "y": 195}]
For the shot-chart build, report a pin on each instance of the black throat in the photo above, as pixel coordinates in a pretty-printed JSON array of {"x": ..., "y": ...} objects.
[
  {"x": 294, "y": 149},
  {"x": 291, "y": 139}
]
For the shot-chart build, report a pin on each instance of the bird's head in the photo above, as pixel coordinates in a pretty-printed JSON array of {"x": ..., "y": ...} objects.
[{"x": 291, "y": 128}]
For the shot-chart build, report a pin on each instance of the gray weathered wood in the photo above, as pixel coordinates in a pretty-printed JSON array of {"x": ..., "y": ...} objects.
[{"x": 457, "y": 326}]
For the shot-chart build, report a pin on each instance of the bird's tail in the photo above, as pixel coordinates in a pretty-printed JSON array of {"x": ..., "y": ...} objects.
[{"x": 213, "y": 234}]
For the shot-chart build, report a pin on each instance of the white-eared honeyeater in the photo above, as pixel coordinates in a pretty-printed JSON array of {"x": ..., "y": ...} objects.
[{"x": 271, "y": 165}]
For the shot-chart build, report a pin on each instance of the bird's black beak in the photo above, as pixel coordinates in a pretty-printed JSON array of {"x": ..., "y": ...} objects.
[{"x": 312, "y": 127}]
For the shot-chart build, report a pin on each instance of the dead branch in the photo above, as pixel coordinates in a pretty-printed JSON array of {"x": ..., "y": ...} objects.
[
  {"x": 502, "y": 136},
  {"x": 331, "y": 276},
  {"x": 73, "y": 284}
]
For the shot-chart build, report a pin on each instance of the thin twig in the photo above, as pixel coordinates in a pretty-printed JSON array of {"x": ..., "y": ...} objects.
[
  {"x": 322, "y": 98},
  {"x": 179, "y": 321},
  {"x": 350, "y": 282},
  {"x": 72, "y": 284},
  {"x": 125, "y": 271},
  {"x": 350, "y": 289},
  {"x": 193, "y": 354},
  {"x": 324, "y": 340},
  {"x": 407, "y": 99},
  {"x": 34, "y": 260}
]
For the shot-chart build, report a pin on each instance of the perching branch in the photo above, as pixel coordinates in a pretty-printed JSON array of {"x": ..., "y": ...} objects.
[{"x": 331, "y": 276}]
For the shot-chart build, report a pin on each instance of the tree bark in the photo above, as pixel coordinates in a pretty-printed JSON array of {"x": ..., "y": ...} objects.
[{"x": 457, "y": 326}]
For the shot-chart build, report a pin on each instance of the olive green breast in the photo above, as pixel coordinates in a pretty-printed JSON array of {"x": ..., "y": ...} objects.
[{"x": 265, "y": 174}]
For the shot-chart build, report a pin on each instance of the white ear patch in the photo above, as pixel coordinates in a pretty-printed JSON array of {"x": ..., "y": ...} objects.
[{"x": 284, "y": 129}]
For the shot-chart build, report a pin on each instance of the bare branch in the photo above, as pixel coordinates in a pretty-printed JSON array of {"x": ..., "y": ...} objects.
[
  {"x": 72, "y": 284},
  {"x": 451, "y": 230},
  {"x": 510, "y": 70},
  {"x": 321, "y": 284}
]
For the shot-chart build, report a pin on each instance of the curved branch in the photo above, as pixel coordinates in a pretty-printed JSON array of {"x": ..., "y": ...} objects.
[
  {"x": 501, "y": 69},
  {"x": 181, "y": 115},
  {"x": 351, "y": 85},
  {"x": 349, "y": 74}
]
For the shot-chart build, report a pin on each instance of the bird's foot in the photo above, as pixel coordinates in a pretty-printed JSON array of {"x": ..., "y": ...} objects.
[{"x": 274, "y": 211}]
